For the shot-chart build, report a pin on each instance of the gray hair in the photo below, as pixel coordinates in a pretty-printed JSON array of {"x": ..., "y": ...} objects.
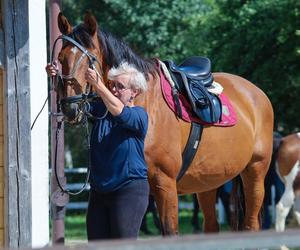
[{"x": 137, "y": 79}]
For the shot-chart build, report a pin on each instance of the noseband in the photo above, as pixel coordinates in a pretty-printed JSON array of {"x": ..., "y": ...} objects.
[{"x": 75, "y": 109}]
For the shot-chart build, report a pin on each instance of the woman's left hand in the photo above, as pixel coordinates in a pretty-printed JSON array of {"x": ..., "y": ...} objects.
[{"x": 92, "y": 77}]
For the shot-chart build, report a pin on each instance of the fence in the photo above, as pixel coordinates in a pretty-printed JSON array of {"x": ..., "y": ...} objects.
[
  {"x": 83, "y": 204},
  {"x": 80, "y": 205},
  {"x": 267, "y": 240},
  {"x": 74, "y": 187}
]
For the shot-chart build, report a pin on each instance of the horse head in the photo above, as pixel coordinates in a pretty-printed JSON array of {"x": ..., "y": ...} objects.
[{"x": 81, "y": 49}]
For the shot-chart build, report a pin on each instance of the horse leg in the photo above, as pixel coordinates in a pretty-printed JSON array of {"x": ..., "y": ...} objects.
[
  {"x": 195, "y": 220},
  {"x": 287, "y": 200},
  {"x": 283, "y": 206},
  {"x": 297, "y": 208},
  {"x": 207, "y": 202},
  {"x": 165, "y": 194},
  {"x": 253, "y": 184}
]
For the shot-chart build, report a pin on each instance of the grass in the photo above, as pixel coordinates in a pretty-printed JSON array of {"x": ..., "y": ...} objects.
[{"x": 75, "y": 225}]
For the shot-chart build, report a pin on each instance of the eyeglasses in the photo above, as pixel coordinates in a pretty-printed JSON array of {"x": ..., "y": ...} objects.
[{"x": 118, "y": 86}]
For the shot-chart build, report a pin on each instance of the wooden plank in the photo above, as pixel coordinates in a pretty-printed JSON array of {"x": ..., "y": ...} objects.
[
  {"x": 226, "y": 241},
  {"x": 2, "y": 185},
  {"x": 17, "y": 205},
  {"x": 266, "y": 239},
  {"x": 1, "y": 237},
  {"x": 1, "y": 127},
  {"x": 1, "y": 119},
  {"x": 1, "y": 213},
  {"x": 1, "y": 85},
  {"x": 1, "y": 48},
  {"x": 1, "y": 40},
  {"x": 1, "y": 151}
]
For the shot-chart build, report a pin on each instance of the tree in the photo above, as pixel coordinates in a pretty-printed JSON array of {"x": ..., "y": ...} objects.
[
  {"x": 152, "y": 28},
  {"x": 258, "y": 40}
]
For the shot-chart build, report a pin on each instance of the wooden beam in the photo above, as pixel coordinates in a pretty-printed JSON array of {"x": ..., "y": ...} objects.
[
  {"x": 40, "y": 130},
  {"x": 16, "y": 112},
  {"x": 1, "y": 49},
  {"x": 1, "y": 40}
]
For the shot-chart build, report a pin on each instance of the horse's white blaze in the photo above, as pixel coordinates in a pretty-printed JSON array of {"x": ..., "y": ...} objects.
[
  {"x": 284, "y": 205},
  {"x": 298, "y": 134},
  {"x": 74, "y": 50}
]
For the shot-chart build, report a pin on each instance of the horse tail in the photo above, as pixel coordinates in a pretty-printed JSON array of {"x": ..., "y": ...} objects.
[{"x": 237, "y": 206}]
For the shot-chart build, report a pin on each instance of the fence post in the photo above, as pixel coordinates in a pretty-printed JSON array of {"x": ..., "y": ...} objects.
[{"x": 57, "y": 212}]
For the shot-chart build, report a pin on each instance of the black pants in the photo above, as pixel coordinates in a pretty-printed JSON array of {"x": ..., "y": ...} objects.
[{"x": 117, "y": 214}]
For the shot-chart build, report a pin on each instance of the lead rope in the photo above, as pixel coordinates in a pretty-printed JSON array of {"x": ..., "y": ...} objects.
[
  {"x": 37, "y": 116},
  {"x": 89, "y": 162},
  {"x": 59, "y": 124}
]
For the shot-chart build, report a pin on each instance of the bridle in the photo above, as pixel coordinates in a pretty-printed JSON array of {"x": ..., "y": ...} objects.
[
  {"x": 66, "y": 104},
  {"x": 79, "y": 103}
]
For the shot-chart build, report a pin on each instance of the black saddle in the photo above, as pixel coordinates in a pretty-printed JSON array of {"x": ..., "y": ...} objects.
[
  {"x": 195, "y": 67},
  {"x": 192, "y": 78}
]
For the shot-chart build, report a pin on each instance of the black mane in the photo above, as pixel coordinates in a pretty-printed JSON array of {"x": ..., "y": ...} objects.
[{"x": 114, "y": 50}]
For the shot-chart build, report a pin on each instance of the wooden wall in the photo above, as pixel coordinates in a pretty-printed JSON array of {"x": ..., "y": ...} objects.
[
  {"x": 16, "y": 125},
  {"x": 1, "y": 164},
  {"x": 22, "y": 210},
  {"x": 24, "y": 183}
]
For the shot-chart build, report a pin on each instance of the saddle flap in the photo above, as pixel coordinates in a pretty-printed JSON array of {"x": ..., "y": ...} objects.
[{"x": 207, "y": 106}]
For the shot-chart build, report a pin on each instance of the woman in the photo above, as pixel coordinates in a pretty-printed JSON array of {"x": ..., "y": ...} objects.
[{"x": 119, "y": 186}]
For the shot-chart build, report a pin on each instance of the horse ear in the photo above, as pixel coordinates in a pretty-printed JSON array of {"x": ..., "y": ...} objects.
[
  {"x": 63, "y": 24},
  {"x": 90, "y": 23}
]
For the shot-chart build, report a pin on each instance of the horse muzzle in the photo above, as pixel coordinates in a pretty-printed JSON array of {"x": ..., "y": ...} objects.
[
  {"x": 72, "y": 112},
  {"x": 76, "y": 109}
]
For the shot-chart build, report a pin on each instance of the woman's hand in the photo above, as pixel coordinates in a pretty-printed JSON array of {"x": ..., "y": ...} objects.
[
  {"x": 113, "y": 104},
  {"x": 52, "y": 69},
  {"x": 92, "y": 77}
]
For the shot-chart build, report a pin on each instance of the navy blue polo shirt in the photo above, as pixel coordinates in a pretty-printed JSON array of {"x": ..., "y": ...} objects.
[{"x": 117, "y": 147}]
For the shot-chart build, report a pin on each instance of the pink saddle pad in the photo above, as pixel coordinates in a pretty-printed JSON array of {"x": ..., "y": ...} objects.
[{"x": 228, "y": 114}]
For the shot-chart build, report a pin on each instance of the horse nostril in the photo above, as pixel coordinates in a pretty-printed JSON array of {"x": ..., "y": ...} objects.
[
  {"x": 70, "y": 110},
  {"x": 70, "y": 82}
]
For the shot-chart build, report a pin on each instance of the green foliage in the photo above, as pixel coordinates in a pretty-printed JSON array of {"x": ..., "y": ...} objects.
[
  {"x": 76, "y": 142},
  {"x": 258, "y": 40},
  {"x": 153, "y": 28}
]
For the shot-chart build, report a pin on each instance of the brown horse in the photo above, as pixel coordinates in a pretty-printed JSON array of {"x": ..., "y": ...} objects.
[
  {"x": 287, "y": 167},
  {"x": 244, "y": 149}
]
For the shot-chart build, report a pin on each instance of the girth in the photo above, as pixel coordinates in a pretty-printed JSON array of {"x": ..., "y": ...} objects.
[{"x": 190, "y": 148}]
